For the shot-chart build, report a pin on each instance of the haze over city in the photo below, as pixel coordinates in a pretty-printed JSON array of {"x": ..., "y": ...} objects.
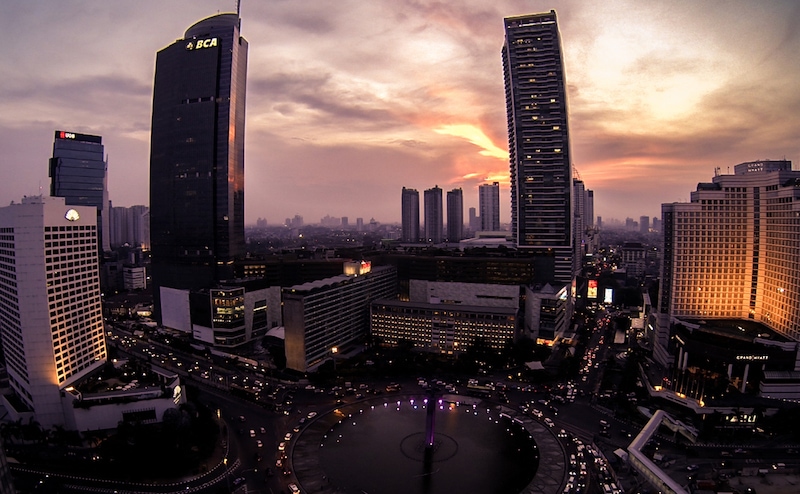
[{"x": 346, "y": 106}]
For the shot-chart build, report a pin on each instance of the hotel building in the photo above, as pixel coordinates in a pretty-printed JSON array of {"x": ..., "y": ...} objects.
[
  {"x": 731, "y": 254},
  {"x": 50, "y": 308}
]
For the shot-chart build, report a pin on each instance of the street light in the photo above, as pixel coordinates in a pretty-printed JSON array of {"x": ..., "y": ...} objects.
[{"x": 334, "y": 351}]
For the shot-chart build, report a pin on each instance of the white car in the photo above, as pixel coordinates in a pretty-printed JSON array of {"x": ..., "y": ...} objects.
[{"x": 294, "y": 489}]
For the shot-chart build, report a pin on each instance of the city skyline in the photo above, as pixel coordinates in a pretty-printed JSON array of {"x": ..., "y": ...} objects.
[{"x": 644, "y": 101}]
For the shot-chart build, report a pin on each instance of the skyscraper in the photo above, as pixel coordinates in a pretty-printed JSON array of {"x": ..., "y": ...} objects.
[
  {"x": 410, "y": 215},
  {"x": 78, "y": 174},
  {"x": 52, "y": 319},
  {"x": 489, "y": 204},
  {"x": 455, "y": 215},
  {"x": 434, "y": 217},
  {"x": 197, "y": 156},
  {"x": 732, "y": 251},
  {"x": 539, "y": 152}
]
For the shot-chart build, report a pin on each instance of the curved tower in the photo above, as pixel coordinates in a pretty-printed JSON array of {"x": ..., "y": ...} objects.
[{"x": 197, "y": 156}]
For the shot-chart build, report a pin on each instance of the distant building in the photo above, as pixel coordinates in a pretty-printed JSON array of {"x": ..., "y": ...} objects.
[
  {"x": 410, "y": 215},
  {"x": 52, "y": 317},
  {"x": 474, "y": 220},
  {"x": 331, "y": 313},
  {"x": 78, "y": 173},
  {"x": 634, "y": 259},
  {"x": 134, "y": 277},
  {"x": 455, "y": 215},
  {"x": 538, "y": 141},
  {"x": 129, "y": 226},
  {"x": 644, "y": 224},
  {"x": 489, "y": 204},
  {"x": 434, "y": 217},
  {"x": 360, "y": 224}
]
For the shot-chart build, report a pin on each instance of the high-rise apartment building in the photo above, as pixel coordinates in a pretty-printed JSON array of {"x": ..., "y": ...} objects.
[
  {"x": 50, "y": 307},
  {"x": 455, "y": 215},
  {"x": 78, "y": 173},
  {"x": 732, "y": 252},
  {"x": 197, "y": 156},
  {"x": 489, "y": 204},
  {"x": 434, "y": 217},
  {"x": 410, "y": 215},
  {"x": 539, "y": 151}
]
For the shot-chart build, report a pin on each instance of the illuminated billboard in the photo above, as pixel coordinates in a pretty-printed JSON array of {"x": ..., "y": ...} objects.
[
  {"x": 591, "y": 292},
  {"x": 608, "y": 296}
]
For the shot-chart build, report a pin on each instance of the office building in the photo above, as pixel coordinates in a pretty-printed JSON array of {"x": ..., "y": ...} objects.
[
  {"x": 410, "y": 215},
  {"x": 434, "y": 219},
  {"x": 332, "y": 313},
  {"x": 78, "y": 173},
  {"x": 489, "y": 204},
  {"x": 52, "y": 319},
  {"x": 197, "y": 157},
  {"x": 731, "y": 253},
  {"x": 538, "y": 136},
  {"x": 455, "y": 215}
]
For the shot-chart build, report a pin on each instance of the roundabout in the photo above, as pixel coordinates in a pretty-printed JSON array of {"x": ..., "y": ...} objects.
[{"x": 382, "y": 445}]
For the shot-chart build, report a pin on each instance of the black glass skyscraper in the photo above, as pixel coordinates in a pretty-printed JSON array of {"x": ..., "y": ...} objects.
[
  {"x": 197, "y": 156},
  {"x": 78, "y": 174},
  {"x": 539, "y": 152}
]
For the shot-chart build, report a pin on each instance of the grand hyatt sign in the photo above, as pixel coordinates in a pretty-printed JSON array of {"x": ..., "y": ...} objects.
[{"x": 752, "y": 357}]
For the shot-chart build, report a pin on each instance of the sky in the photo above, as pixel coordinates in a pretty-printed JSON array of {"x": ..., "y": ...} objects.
[{"x": 348, "y": 101}]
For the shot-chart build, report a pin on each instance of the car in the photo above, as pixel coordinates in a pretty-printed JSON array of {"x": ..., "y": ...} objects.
[
  {"x": 692, "y": 468},
  {"x": 282, "y": 446},
  {"x": 263, "y": 430},
  {"x": 252, "y": 433},
  {"x": 537, "y": 413},
  {"x": 238, "y": 480},
  {"x": 549, "y": 422},
  {"x": 279, "y": 463},
  {"x": 311, "y": 415},
  {"x": 259, "y": 443},
  {"x": 294, "y": 489},
  {"x": 287, "y": 436}
]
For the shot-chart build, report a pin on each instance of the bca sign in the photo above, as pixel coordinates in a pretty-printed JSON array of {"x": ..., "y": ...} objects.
[{"x": 201, "y": 43}]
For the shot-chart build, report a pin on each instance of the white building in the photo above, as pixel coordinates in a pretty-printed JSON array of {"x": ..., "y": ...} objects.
[
  {"x": 51, "y": 319},
  {"x": 134, "y": 277}
]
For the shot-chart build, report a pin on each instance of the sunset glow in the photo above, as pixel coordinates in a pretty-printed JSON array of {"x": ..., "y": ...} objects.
[{"x": 411, "y": 94}]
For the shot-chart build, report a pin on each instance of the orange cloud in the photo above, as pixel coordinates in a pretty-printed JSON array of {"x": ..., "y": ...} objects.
[{"x": 475, "y": 136}]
